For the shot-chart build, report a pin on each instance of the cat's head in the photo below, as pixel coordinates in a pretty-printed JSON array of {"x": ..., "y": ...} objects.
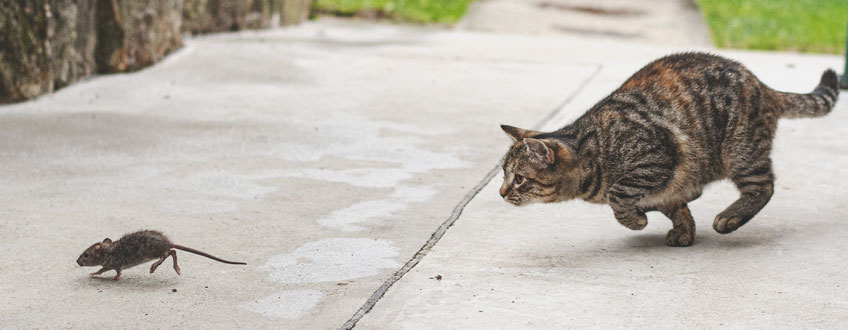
[{"x": 537, "y": 170}]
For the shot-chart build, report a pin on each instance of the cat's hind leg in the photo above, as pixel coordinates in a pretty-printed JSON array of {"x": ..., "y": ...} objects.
[
  {"x": 755, "y": 182},
  {"x": 683, "y": 232}
]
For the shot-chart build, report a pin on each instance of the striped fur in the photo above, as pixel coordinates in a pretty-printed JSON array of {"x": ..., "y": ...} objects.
[{"x": 676, "y": 125}]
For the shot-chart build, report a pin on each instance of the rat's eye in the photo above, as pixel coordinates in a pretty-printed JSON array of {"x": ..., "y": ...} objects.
[
  {"x": 519, "y": 179},
  {"x": 85, "y": 254}
]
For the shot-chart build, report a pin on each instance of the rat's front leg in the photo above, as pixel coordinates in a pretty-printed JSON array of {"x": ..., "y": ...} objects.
[{"x": 103, "y": 269}]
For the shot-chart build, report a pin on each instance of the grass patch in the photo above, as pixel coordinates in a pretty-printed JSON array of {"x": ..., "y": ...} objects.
[
  {"x": 419, "y": 11},
  {"x": 816, "y": 26}
]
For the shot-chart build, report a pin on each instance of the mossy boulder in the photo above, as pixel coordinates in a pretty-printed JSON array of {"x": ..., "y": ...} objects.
[
  {"x": 48, "y": 44},
  {"x": 206, "y": 16},
  {"x": 45, "y": 45},
  {"x": 134, "y": 34}
]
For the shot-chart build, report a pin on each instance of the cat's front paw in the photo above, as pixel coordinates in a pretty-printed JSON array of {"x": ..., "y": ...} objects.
[
  {"x": 680, "y": 236},
  {"x": 634, "y": 222},
  {"x": 727, "y": 223}
]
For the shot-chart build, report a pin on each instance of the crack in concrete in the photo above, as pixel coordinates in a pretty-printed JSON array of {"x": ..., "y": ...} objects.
[{"x": 457, "y": 211}]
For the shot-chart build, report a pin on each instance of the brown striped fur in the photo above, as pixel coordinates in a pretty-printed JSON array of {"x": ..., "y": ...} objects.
[{"x": 676, "y": 125}]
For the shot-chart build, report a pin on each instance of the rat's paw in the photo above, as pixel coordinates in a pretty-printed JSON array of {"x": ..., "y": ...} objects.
[{"x": 680, "y": 236}]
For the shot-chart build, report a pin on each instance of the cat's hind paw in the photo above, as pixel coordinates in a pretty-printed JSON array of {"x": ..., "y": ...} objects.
[{"x": 680, "y": 236}]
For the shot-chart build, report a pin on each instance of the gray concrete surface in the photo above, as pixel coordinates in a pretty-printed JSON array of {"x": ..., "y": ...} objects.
[
  {"x": 572, "y": 266},
  {"x": 323, "y": 156},
  {"x": 665, "y": 22},
  {"x": 326, "y": 155}
]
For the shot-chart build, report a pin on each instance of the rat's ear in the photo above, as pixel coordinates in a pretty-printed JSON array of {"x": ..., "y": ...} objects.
[
  {"x": 518, "y": 133},
  {"x": 97, "y": 246},
  {"x": 107, "y": 240}
]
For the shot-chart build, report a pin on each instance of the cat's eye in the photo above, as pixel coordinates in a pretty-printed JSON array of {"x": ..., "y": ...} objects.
[{"x": 519, "y": 179}]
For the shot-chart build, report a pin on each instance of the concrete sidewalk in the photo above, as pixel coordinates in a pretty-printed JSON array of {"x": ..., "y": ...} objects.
[
  {"x": 326, "y": 155},
  {"x": 658, "y": 22},
  {"x": 572, "y": 266}
]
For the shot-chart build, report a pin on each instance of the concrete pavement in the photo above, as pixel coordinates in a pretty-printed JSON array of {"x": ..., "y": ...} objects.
[
  {"x": 323, "y": 156},
  {"x": 659, "y": 22},
  {"x": 571, "y": 265},
  {"x": 326, "y": 155}
]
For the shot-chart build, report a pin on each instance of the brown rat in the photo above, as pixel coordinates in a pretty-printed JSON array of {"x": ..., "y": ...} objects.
[{"x": 134, "y": 249}]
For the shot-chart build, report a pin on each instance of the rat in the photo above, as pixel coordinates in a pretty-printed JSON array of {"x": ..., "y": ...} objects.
[{"x": 134, "y": 249}]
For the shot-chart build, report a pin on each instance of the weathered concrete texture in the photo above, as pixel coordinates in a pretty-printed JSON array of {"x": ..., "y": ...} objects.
[
  {"x": 322, "y": 155},
  {"x": 572, "y": 266},
  {"x": 45, "y": 45},
  {"x": 205, "y": 16}
]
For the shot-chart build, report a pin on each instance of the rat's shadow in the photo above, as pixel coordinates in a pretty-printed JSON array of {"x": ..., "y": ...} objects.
[{"x": 135, "y": 281}]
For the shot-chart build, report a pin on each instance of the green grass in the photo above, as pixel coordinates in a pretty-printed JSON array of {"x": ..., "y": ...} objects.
[
  {"x": 420, "y": 11},
  {"x": 816, "y": 26}
]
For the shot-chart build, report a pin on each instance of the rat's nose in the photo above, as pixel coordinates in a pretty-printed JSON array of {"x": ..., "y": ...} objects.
[{"x": 79, "y": 262}]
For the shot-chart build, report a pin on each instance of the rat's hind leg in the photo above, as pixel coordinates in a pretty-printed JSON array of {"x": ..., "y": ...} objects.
[
  {"x": 755, "y": 182},
  {"x": 156, "y": 264},
  {"x": 119, "y": 274},
  {"x": 173, "y": 254},
  {"x": 683, "y": 232}
]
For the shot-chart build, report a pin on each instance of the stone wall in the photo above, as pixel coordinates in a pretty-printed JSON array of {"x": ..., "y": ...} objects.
[{"x": 48, "y": 44}]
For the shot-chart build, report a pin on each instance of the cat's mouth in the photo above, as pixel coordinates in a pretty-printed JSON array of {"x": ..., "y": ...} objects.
[{"x": 515, "y": 201}]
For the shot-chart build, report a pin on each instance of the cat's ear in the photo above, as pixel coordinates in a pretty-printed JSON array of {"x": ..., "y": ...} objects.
[
  {"x": 518, "y": 133},
  {"x": 540, "y": 151}
]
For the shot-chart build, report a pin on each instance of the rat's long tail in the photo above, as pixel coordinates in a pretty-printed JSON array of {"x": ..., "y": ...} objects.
[
  {"x": 815, "y": 104},
  {"x": 188, "y": 249}
]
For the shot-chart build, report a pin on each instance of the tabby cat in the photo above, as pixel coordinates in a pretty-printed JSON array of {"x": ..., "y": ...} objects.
[{"x": 679, "y": 123}]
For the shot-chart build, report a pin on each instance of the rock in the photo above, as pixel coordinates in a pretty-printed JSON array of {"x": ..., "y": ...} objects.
[
  {"x": 134, "y": 34},
  {"x": 45, "y": 45},
  {"x": 49, "y": 44},
  {"x": 293, "y": 11},
  {"x": 72, "y": 40},
  {"x": 206, "y": 16}
]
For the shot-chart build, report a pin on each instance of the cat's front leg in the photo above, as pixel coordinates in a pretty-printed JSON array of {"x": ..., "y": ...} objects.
[{"x": 622, "y": 198}]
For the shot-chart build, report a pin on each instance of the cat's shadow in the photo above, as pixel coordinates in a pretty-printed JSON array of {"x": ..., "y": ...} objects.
[{"x": 711, "y": 239}]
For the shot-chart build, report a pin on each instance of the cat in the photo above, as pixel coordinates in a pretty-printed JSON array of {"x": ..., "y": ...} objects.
[{"x": 676, "y": 125}]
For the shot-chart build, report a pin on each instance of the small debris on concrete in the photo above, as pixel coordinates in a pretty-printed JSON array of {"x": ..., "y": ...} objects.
[{"x": 173, "y": 290}]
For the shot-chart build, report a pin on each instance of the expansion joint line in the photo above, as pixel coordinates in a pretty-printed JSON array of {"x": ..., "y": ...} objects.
[{"x": 457, "y": 211}]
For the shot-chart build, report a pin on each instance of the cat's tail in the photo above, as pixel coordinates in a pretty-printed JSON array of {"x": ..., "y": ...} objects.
[{"x": 815, "y": 104}]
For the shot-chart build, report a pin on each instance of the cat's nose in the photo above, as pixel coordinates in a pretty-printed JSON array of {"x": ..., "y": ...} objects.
[{"x": 504, "y": 189}]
